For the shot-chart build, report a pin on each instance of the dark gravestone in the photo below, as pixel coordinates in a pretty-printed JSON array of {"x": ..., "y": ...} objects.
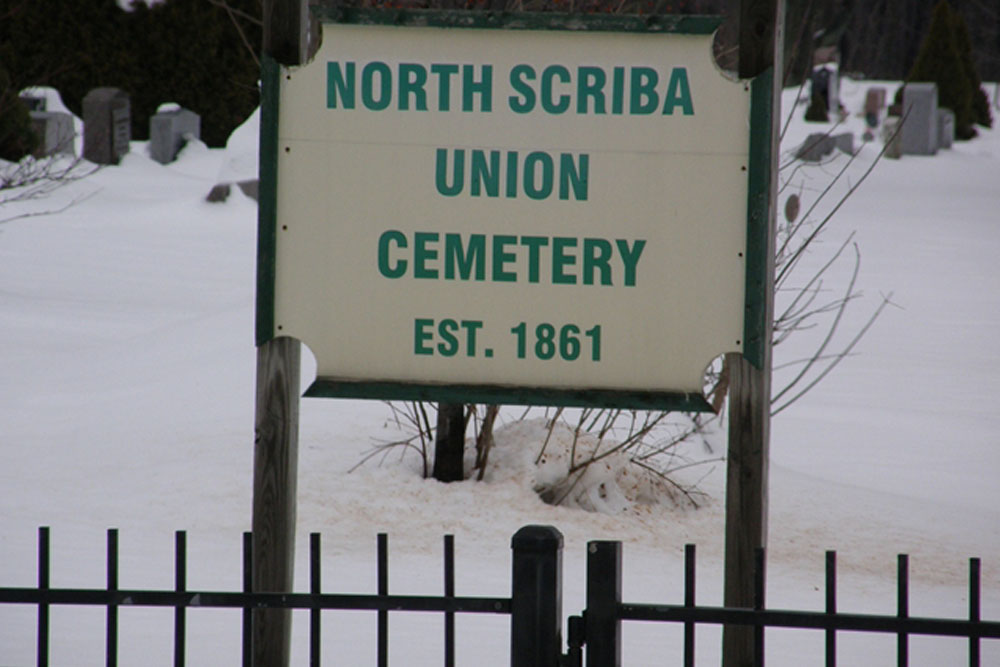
[
  {"x": 920, "y": 119},
  {"x": 820, "y": 85},
  {"x": 946, "y": 127},
  {"x": 55, "y": 133},
  {"x": 106, "y": 125},
  {"x": 874, "y": 103},
  {"x": 169, "y": 131}
]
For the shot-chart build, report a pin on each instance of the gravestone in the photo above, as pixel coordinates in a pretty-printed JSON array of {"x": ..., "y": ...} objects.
[
  {"x": 946, "y": 127},
  {"x": 816, "y": 147},
  {"x": 874, "y": 103},
  {"x": 920, "y": 119},
  {"x": 107, "y": 127},
  {"x": 819, "y": 85},
  {"x": 169, "y": 131},
  {"x": 55, "y": 133},
  {"x": 892, "y": 138}
]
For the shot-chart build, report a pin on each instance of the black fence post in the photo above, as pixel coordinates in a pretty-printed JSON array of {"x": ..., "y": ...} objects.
[
  {"x": 44, "y": 562},
  {"x": 536, "y": 597},
  {"x": 111, "y": 639},
  {"x": 604, "y": 596},
  {"x": 975, "y": 572}
]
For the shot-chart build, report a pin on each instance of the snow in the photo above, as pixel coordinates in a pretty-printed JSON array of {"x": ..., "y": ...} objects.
[{"x": 127, "y": 401}]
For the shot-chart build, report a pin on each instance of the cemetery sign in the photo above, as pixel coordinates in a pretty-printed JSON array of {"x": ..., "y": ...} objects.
[{"x": 530, "y": 209}]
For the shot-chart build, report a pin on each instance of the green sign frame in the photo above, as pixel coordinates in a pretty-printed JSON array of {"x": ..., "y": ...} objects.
[{"x": 756, "y": 329}]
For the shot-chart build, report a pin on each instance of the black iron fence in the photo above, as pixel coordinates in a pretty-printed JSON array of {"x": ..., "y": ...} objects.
[
  {"x": 534, "y": 606},
  {"x": 606, "y": 611}
]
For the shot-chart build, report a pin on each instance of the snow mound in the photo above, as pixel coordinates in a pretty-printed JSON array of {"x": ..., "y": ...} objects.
[
  {"x": 240, "y": 161},
  {"x": 552, "y": 459}
]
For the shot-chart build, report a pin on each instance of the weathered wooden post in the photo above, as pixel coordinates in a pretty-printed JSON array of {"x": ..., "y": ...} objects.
[
  {"x": 276, "y": 427},
  {"x": 760, "y": 55}
]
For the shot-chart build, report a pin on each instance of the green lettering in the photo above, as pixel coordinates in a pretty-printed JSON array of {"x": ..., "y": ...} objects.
[
  {"x": 449, "y": 347},
  {"x": 422, "y": 254},
  {"x": 339, "y": 83},
  {"x": 678, "y": 93},
  {"x": 544, "y": 189},
  {"x": 483, "y": 87},
  {"x": 548, "y": 102},
  {"x": 642, "y": 86},
  {"x": 380, "y": 100},
  {"x": 412, "y": 79},
  {"x": 561, "y": 260},
  {"x": 618, "y": 90},
  {"x": 384, "y": 263},
  {"x": 535, "y": 244},
  {"x": 421, "y": 336},
  {"x": 596, "y": 257},
  {"x": 501, "y": 258},
  {"x": 590, "y": 85},
  {"x": 457, "y": 172},
  {"x": 573, "y": 174},
  {"x": 512, "y": 174},
  {"x": 630, "y": 258},
  {"x": 470, "y": 327},
  {"x": 484, "y": 175},
  {"x": 455, "y": 255},
  {"x": 526, "y": 102},
  {"x": 444, "y": 73}
]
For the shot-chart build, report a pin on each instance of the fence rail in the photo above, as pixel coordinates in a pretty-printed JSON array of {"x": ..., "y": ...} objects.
[
  {"x": 535, "y": 605},
  {"x": 605, "y": 611}
]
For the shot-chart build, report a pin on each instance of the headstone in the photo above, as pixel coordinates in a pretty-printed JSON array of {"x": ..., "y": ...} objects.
[
  {"x": 920, "y": 119},
  {"x": 844, "y": 142},
  {"x": 946, "y": 127},
  {"x": 819, "y": 84},
  {"x": 169, "y": 131},
  {"x": 107, "y": 127},
  {"x": 874, "y": 103},
  {"x": 55, "y": 133},
  {"x": 816, "y": 147},
  {"x": 892, "y": 138}
]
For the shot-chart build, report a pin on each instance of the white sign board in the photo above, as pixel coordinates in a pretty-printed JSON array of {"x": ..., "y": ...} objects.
[{"x": 554, "y": 210}]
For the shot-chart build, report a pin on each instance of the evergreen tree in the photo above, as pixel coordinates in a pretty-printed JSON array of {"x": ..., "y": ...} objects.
[
  {"x": 17, "y": 138},
  {"x": 980, "y": 102},
  {"x": 939, "y": 62}
]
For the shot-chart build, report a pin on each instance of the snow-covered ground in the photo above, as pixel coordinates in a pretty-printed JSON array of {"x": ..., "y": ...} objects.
[{"x": 126, "y": 400}]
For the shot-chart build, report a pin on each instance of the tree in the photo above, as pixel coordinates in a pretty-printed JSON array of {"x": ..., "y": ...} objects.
[
  {"x": 939, "y": 62},
  {"x": 981, "y": 114},
  {"x": 17, "y": 139},
  {"x": 192, "y": 52}
]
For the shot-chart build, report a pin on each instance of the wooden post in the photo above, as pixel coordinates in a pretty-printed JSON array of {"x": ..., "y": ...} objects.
[
  {"x": 274, "y": 486},
  {"x": 449, "y": 443},
  {"x": 760, "y": 37},
  {"x": 276, "y": 421}
]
